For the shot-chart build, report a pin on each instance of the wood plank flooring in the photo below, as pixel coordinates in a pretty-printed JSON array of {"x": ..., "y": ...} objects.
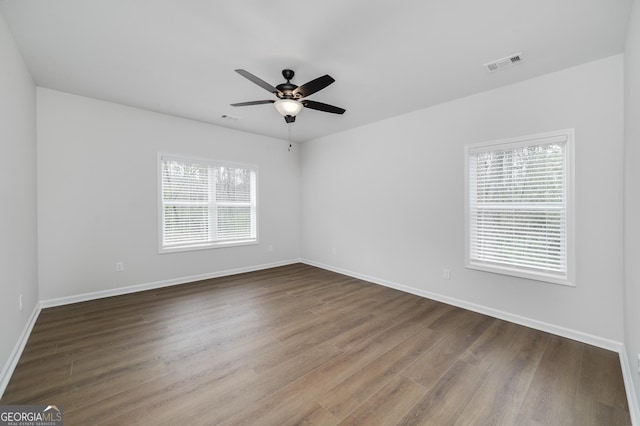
[{"x": 301, "y": 345}]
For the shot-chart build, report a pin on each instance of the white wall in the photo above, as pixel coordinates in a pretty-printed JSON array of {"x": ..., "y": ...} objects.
[
  {"x": 389, "y": 197},
  {"x": 632, "y": 194},
  {"x": 18, "y": 241},
  {"x": 97, "y": 195}
]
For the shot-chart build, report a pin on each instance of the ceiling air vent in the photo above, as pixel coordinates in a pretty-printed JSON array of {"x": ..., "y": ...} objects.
[{"x": 503, "y": 63}]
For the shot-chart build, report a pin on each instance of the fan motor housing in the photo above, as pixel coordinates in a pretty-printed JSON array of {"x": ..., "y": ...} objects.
[{"x": 287, "y": 89}]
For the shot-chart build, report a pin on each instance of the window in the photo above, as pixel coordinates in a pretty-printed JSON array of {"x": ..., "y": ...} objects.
[
  {"x": 518, "y": 206},
  {"x": 205, "y": 204}
]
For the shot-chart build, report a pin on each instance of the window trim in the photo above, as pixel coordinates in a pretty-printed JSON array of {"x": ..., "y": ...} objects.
[
  {"x": 535, "y": 139},
  {"x": 160, "y": 206}
]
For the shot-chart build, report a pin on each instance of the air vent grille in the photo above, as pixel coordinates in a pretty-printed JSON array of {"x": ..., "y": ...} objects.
[{"x": 503, "y": 63}]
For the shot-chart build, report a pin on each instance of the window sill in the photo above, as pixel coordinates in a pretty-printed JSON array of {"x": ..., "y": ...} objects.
[
  {"x": 520, "y": 273},
  {"x": 208, "y": 246}
]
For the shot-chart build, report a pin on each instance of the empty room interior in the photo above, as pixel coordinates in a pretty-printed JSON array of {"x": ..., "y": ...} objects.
[{"x": 363, "y": 212}]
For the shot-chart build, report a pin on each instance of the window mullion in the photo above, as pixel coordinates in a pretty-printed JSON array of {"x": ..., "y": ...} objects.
[{"x": 213, "y": 208}]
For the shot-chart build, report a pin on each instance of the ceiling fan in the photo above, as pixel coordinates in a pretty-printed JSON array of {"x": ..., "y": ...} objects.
[{"x": 291, "y": 98}]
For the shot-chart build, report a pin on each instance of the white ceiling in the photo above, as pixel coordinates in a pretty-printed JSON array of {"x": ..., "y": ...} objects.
[{"x": 388, "y": 57}]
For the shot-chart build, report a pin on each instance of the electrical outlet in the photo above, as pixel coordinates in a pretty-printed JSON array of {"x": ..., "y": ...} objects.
[
  {"x": 446, "y": 274},
  {"x": 333, "y": 250},
  {"x": 119, "y": 266},
  {"x": 270, "y": 248},
  {"x": 20, "y": 304}
]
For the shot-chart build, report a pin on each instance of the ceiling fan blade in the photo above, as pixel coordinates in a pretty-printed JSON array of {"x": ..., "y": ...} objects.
[
  {"x": 289, "y": 118},
  {"x": 266, "y": 86},
  {"x": 252, "y": 103},
  {"x": 313, "y": 86},
  {"x": 322, "y": 107}
]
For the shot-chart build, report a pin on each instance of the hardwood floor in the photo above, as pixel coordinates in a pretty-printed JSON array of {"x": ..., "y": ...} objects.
[{"x": 301, "y": 345}]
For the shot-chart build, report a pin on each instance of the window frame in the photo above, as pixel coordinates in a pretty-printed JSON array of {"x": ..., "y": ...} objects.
[
  {"x": 164, "y": 249},
  {"x": 568, "y": 278}
]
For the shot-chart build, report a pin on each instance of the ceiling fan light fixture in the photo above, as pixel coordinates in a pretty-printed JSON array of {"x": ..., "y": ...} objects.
[{"x": 288, "y": 107}]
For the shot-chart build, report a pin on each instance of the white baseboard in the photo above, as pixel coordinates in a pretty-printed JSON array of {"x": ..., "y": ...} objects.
[
  {"x": 580, "y": 336},
  {"x": 14, "y": 356},
  {"x": 632, "y": 398},
  {"x": 159, "y": 284}
]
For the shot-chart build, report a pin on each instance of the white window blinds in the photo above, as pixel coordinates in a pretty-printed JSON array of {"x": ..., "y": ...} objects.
[
  {"x": 206, "y": 204},
  {"x": 517, "y": 199}
]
